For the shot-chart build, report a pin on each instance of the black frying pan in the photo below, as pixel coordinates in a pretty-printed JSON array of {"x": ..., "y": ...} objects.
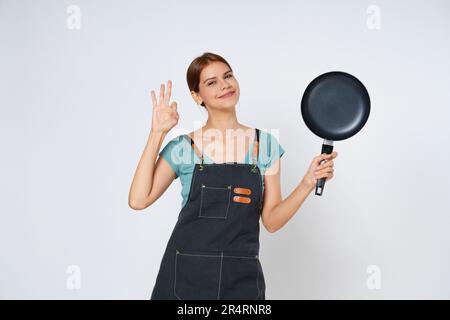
[{"x": 335, "y": 106}]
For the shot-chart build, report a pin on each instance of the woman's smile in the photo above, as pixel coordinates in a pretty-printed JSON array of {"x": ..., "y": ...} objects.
[{"x": 227, "y": 95}]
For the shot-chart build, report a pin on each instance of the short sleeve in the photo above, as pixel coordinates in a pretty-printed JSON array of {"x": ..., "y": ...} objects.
[
  {"x": 171, "y": 153},
  {"x": 271, "y": 149}
]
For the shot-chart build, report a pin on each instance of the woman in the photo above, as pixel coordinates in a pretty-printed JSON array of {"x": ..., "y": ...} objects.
[{"x": 213, "y": 250}]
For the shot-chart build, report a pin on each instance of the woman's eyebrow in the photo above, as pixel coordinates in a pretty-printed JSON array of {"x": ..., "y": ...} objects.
[{"x": 216, "y": 77}]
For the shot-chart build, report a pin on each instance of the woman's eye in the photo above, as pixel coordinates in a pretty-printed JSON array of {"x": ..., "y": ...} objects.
[{"x": 227, "y": 76}]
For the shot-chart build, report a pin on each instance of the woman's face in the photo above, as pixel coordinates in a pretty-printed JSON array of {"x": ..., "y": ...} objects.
[{"x": 217, "y": 80}]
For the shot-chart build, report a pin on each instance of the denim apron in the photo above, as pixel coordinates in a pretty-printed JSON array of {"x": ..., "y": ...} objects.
[{"x": 214, "y": 247}]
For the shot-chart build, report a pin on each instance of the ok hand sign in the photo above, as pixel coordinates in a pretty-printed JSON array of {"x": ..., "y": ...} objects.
[{"x": 165, "y": 116}]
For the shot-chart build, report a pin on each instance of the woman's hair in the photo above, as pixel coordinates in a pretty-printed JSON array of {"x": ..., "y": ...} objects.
[{"x": 196, "y": 67}]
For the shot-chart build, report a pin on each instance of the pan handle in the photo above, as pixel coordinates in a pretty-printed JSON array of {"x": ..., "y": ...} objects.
[{"x": 327, "y": 147}]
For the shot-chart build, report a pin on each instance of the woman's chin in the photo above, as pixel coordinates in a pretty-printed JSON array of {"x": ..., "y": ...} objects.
[{"x": 227, "y": 104}]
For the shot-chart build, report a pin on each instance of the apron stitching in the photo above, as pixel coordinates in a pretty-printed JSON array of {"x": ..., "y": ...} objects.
[
  {"x": 220, "y": 276},
  {"x": 257, "y": 282},
  {"x": 190, "y": 191},
  {"x": 215, "y": 256},
  {"x": 220, "y": 270},
  {"x": 201, "y": 201},
  {"x": 192, "y": 183},
  {"x": 229, "y": 197},
  {"x": 175, "y": 282},
  {"x": 216, "y": 187},
  {"x": 203, "y": 187},
  {"x": 206, "y": 217},
  {"x": 261, "y": 200}
]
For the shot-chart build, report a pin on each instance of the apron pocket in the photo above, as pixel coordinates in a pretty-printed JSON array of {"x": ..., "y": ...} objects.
[
  {"x": 214, "y": 202},
  {"x": 241, "y": 278},
  {"x": 197, "y": 275}
]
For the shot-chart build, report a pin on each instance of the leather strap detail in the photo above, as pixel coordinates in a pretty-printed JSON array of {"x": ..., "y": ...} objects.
[
  {"x": 245, "y": 191},
  {"x": 240, "y": 199}
]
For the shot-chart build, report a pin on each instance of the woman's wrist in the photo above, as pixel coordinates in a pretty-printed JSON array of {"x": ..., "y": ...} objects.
[
  {"x": 157, "y": 131},
  {"x": 307, "y": 186}
]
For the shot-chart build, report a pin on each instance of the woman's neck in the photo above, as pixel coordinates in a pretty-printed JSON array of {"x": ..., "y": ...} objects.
[{"x": 222, "y": 123}]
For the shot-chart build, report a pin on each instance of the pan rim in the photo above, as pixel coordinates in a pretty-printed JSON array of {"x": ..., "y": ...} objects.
[{"x": 313, "y": 84}]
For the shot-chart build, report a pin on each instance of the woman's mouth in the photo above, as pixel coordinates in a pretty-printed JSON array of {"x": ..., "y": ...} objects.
[{"x": 227, "y": 95}]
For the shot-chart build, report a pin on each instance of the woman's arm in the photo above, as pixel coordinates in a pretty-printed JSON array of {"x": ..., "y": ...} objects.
[
  {"x": 277, "y": 212},
  {"x": 150, "y": 179}
]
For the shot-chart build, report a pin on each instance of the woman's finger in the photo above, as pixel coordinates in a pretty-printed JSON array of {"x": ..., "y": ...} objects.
[
  {"x": 169, "y": 92},
  {"x": 173, "y": 106},
  {"x": 320, "y": 169},
  {"x": 161, "y": 94},
  {"x": 327, "y": 169},
  {"x": 328, "y": 176},
  {"x": 153, "y": 99},
  {"x": 326, "y": 165},
  {"x": 327, "y": 156},
  {"x": 323, "y": 158},
  {"x": 322, "y": 173}
]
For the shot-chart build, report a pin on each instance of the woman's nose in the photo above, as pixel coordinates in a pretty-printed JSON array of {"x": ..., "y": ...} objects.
[{"x": 226, "y": 86}]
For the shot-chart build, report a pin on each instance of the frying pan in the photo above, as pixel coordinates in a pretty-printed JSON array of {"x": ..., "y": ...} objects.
[{"x": 334, "y": 106}]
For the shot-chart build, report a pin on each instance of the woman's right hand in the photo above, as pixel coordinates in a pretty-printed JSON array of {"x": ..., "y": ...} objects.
[
  {"x": 321, "y": 167},
  {"x": 164, "y": 116}
]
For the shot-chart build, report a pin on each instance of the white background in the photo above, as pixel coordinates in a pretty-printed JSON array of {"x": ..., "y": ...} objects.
[{"x": 76, "y": 114}]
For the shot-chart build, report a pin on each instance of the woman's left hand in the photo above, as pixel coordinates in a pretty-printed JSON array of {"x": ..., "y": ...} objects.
[{"x": 317, "y": 170}]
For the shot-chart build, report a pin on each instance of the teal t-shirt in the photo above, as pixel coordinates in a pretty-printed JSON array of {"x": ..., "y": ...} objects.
[{"x": 182, "y": 158}]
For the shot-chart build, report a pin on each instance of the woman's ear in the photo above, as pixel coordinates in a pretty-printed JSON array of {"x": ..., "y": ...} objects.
[{"x": 196, "y": 97}]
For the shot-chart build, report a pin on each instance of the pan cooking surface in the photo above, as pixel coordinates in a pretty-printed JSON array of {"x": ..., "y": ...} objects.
[{"x": 335, "y": 105}]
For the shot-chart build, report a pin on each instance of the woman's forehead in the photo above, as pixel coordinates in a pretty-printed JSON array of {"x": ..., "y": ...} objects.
[{"x": 214, "y": 69}]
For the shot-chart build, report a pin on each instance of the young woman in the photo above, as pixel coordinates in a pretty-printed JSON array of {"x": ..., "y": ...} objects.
[{"x": 213, "y": 250}]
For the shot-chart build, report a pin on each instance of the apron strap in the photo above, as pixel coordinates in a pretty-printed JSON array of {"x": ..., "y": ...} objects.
[
  {"x": 196, "y": 150},
  {"x": 255, "y": 154}
]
